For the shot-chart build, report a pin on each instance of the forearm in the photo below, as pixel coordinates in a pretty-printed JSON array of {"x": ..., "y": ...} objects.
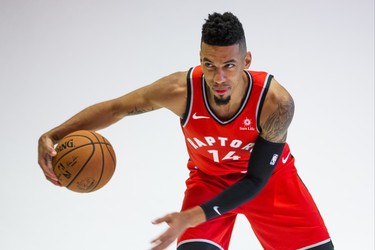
[
  {"x": 262, "y": 163},
  {"x": 233, "y": 197}
]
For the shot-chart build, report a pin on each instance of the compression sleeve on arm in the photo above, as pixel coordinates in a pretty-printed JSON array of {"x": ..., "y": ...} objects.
[{"x": 262, "y": 162}]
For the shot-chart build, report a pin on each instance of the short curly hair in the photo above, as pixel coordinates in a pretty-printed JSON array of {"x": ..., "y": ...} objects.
[{"x": 223, "y": 30}]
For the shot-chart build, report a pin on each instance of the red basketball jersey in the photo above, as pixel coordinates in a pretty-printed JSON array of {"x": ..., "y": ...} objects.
[{"x": 220, "y": 147}]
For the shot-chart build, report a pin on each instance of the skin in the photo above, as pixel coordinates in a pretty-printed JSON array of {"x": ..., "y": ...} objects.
[{"x": 223, "y": 69}]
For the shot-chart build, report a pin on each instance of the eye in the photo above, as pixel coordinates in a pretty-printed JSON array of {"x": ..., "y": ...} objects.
[
  {"x": 230, "y": 65},
  {"x": 209, "y": 65}
]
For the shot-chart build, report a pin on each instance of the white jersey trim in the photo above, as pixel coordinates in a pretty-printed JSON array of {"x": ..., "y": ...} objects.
[
  {"x": 315, "y": 245},
  {"x": 191, "y": 97},
  {"x": 261, "y": 100},
  {"x": 201, "y": 240}
]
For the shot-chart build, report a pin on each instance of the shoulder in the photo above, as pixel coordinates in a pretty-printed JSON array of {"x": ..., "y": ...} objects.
[
  {"x": 169, "y": 92},
  {"x": 172, "y": 81},
  {"x": 277, "y": 94},
  {"x": 277, "y": 113},
  {"x": 167, "y": 86}
]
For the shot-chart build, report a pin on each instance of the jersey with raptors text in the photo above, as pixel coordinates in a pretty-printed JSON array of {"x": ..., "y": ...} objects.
[{"x": 220, "y": 147}]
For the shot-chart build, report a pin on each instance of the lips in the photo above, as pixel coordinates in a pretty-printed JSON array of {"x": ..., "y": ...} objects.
[{"x": 220, "y": 91}]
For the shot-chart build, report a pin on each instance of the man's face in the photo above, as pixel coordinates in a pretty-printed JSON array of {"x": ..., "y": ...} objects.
[{"x": 223, "y": 70}]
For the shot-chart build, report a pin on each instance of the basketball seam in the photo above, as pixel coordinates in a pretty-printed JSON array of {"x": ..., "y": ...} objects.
[
  {"x": 109, "y": 148},
  {"x": 103, "y": 165}
]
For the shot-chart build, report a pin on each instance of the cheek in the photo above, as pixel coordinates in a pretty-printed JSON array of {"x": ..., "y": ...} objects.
[
  {"x": 208, "y": 76},
  {"x": 232, "y": 76}
]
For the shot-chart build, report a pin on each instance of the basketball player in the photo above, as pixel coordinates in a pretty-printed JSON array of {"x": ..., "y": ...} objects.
[{"x": 235, "y": 123}]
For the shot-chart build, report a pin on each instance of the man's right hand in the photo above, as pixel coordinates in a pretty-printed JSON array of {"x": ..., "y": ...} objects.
[{"x": 46, "y": 151}]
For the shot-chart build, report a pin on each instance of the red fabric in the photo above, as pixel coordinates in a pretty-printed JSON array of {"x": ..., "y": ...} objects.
[{"x": 283, "y": 215}]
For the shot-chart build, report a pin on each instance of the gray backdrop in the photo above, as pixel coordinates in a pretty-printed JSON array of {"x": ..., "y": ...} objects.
[{"x": 57, "y": 57}]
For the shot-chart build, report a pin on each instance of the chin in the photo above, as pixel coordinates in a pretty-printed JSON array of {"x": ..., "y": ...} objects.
[{"x": 221, "y": 100}]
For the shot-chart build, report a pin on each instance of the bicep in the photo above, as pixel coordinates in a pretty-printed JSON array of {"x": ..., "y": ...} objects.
[
  {"x": 277, "y": 113},
  {"x": 167, "y": 92},
  {"x": 132, "y": 103}
]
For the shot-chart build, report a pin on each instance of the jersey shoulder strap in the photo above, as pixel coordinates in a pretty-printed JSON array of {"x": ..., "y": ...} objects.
[{"x": 194, "y": 77}]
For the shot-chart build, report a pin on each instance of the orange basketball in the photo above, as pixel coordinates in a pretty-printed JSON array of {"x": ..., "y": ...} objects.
[{"x": 85, "y": 161}]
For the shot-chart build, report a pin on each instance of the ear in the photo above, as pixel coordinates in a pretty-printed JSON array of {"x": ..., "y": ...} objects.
[
  {"x": 247, "y": 60},
  {"x": 200, "y": 56}
]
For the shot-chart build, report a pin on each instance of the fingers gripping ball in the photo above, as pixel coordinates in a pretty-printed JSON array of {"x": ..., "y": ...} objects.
[{"x": 85, "y": 161}]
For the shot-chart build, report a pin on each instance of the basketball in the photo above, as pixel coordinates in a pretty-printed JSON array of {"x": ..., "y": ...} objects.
[{"x": 85, "y": 161}]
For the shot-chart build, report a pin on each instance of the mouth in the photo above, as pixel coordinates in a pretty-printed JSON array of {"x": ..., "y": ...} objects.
[{"x": 221, "y": 90}]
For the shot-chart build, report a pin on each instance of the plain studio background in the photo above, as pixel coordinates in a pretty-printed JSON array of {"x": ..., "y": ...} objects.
[{"x": 58, "y": 57}]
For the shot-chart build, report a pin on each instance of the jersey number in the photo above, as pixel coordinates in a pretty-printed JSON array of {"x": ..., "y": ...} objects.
[{"x": 229, "y": 156}]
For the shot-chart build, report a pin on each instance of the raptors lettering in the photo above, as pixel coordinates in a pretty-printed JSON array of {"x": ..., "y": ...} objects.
[{"x": 223, "y": 142}]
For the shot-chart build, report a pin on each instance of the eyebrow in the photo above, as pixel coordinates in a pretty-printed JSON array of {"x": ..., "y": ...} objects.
[{"x": 226, "y": 62}]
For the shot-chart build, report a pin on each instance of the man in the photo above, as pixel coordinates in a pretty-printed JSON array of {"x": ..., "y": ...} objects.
[{"x": 235, "y": 123}]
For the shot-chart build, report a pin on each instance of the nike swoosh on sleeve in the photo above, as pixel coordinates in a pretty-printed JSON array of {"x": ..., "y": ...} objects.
[
  {"x": 216, "y": 209},
  {"x": 284, "y": 160}
]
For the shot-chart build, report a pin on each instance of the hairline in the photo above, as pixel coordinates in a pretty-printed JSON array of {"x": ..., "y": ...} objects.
[{"x": 241, "y": 44}]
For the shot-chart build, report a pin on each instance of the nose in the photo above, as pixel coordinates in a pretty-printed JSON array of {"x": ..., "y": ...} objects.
[{"x": 219, "y": 76}]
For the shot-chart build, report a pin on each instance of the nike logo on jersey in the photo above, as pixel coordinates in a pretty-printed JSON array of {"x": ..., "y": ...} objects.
[
  {"x": 285, "y": 159},
  {"x": 216, "y": 209},
  {"x": 196, "y": 117}
]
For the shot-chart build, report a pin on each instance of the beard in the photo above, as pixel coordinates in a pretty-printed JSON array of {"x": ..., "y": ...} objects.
[{"x": 221, "y": 101}]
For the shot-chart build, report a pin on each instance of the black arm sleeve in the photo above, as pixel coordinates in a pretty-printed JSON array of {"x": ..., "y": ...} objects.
[{"x": 262, "y": 162}]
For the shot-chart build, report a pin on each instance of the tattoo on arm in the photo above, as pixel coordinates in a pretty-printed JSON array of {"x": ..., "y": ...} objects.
[
  {"x": 137, "y": 111},
  {"x": 276, "y": 126}
]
